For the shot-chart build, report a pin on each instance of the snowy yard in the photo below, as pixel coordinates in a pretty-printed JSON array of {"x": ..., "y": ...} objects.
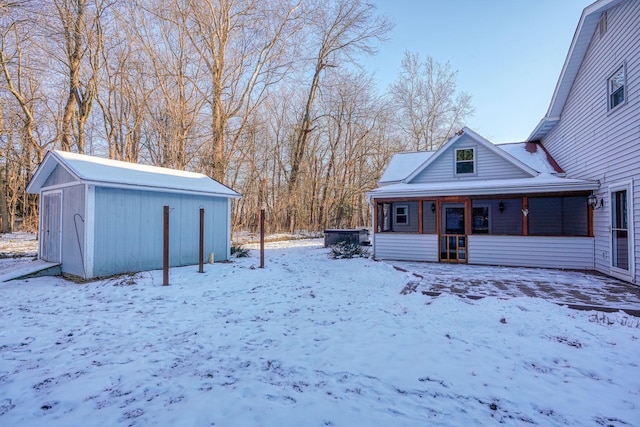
[{"x": 308, "y": 341}]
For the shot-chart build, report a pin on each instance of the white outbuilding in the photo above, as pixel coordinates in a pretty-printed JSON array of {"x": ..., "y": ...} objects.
[{"x": 100, "y": 217}]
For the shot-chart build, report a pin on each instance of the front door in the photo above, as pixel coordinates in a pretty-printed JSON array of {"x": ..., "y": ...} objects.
[
  {"x": 51, "y": 227},
  {"x": 621, "y": 237},
  {"x": 453, "y": 239}
]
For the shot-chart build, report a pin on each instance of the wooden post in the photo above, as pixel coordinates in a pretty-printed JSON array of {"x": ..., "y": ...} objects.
[
  {"x": 262, "y": 238},
  {"x": 201, "y": 247},
  {"x": 525, "y": 216},
  {"x": 165, "y": 247}
]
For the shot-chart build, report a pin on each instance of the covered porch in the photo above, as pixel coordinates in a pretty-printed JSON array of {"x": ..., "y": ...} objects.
[{"x": 532, "y": 227}]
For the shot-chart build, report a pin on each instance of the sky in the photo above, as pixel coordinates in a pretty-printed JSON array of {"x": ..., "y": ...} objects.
[{"x": 508, "y": 53}]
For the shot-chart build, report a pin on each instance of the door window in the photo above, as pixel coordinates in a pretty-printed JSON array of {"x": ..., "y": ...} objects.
[{"x": 619, "y": 230}]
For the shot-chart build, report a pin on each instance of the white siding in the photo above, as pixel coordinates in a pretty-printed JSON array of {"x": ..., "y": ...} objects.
[
  {"x": 406, "y": 247},
  {"x": 591, "y": 142},
  {"x": 532, "y": 251},
  {"x": 488, "y": 165}
]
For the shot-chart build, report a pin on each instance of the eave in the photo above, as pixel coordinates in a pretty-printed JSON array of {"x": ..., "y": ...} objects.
[
  {"x": 577, "y": 51},
  {"x": 540, "y": 184}
]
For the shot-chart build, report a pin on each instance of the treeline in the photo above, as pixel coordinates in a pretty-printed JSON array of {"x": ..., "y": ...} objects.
[{"x": 266, "y": 96}]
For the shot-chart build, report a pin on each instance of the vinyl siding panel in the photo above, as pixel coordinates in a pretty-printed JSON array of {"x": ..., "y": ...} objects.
[
  {"x": 488, "y": 165},
  {"x": 532, "y": 251},
  {"x": 57, "y": 177},
  {"x": 129, "y": 228},
  {"x": 406, "y": 247},
  {"x": 591, "y": 142}
]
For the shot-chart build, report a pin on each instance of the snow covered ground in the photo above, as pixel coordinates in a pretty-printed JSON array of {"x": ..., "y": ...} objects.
[{"x": 307, "y": 341}]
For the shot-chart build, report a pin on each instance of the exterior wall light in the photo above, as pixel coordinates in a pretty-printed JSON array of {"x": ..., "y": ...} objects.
[
  {"x": 501, "y": 206},
  {"x": 433, "y": 207},
  {"x": 592, "y": 201}
]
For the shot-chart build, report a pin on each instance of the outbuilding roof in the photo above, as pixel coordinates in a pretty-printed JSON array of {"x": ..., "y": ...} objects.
[{"x": 115, "y": 173}]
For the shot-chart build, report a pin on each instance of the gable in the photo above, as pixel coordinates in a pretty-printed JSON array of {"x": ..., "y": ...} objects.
[
  {"x": 489, "y": 164},
  {"x": 58, "y": 176}
]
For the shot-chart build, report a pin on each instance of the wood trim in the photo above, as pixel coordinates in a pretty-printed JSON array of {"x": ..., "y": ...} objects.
[
  {"x": 420, "y": 217},
  {"x": 374, "y": 202},
  {"x": 590, "y": 221},
  {"x": 525, "y": 218},
  {"x": 467, "y": 218}
]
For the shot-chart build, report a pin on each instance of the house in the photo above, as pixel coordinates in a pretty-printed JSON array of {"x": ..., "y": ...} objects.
[
  {"x": 475, "y": 202},
  {"x": 592, "y": 128},
  {"x": 461, "y": 202},
  {"x": 101, "y": 217}
]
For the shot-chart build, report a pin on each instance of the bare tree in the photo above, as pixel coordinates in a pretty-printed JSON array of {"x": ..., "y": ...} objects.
[
  {"x": 429, "y": 108},
  {"x": 79, "y": 30},
  {"x": 22, "y": 144},
  {"x": 123, "y": 88},
  {"x": 339, "y": 30},
  {"x": 243, "y": 46},
  {"x": 169, "y": 73}
]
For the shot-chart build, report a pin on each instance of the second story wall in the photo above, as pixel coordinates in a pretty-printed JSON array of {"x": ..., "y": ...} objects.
[{"x": 591, "y": 140}]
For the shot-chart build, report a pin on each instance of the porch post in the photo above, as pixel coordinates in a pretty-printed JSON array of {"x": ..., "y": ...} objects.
[{"x": 525, "y": 218}]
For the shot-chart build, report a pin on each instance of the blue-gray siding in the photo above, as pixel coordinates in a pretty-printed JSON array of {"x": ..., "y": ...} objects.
[
  {"x": 412, "y": 226},
  {"x": 489, "y": 165},
  {"x": 73, "y": 229},
  {"x": 129, "y": 224},
  {"x": 58, "y": 176},
  {"x": 591, "y": 142}
]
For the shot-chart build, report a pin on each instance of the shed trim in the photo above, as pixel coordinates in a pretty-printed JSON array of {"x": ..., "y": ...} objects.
[{"x": 89, "y": 229}]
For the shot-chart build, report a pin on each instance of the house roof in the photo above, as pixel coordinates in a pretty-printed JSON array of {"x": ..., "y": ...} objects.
[
  {"x": 114, "y": 173},
  {"x": 543, "y": 183},
  {"x": 528, "y": 156},
  {"x": 533, "y": 155},
  {"x": 579, "y": 45},
  {"x": 546, "y": 176},
  {"x": 402, "y": 164}
]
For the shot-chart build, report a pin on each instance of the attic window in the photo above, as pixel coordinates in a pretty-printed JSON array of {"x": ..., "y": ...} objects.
[
  {"x": 616, "y": 86},
  {"x": 465, "y": 161}
]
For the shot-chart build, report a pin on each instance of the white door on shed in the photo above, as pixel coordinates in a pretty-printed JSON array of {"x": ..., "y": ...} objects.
[{"x": 51, "y": 230}]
